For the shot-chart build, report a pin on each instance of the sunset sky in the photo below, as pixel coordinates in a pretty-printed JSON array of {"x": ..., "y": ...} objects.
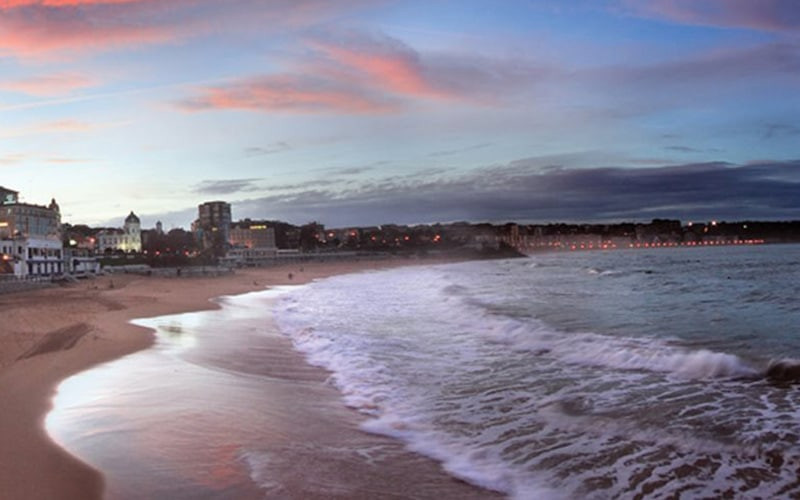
[{"x": 365, "y": 112}]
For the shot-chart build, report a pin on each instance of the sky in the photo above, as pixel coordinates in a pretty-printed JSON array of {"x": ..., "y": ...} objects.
[{"x": 366, "y": 112}]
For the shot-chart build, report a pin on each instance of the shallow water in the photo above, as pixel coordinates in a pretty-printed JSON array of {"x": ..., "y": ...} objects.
[{"x": 223, "y": 407}]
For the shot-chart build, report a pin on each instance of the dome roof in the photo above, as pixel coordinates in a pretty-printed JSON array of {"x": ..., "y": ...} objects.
[{"x": 132, "y": 219}]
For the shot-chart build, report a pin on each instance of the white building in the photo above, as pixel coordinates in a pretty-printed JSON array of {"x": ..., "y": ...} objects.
[
  {"x": 258, "y": 256},
  {"x": 30, "y": 237},
  {"x": 127, "y": 239},
  {"x": 39, "y": 257},
  {"x": 79, "y": 263}
]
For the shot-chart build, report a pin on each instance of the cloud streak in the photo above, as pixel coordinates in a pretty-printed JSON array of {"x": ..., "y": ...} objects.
[
  {"x": 55, "y": 84},
  {"x": 36, "y": 30},
  {"x": 44, "y": 29},
  {"x": 689, "y": 149},
  {"x": 716, "y": 78},
  {"x": 286, "y": 93},
  {"x": 13, "y": 159},
  {"x": 359, "y": 73},
  {"x": 450, "y": 152},
  {"x": 775, "y": 130},
  {"x": 51, "y": 127},
  {"x": 274, "y": 148},
  {"x": 12, "y": 4},
  {"x": 381, "y": 62},
  {"x": 370, "y": 73},
  {"x": 762, "y": 15},
  {"x": 392, "y": 67},
  {"x": 226, "y": 186}
]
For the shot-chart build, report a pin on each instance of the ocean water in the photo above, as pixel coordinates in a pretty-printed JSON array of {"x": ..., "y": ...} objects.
[
  {"x": 594, "y": 375},
  {"x": 617, "y": 374}
]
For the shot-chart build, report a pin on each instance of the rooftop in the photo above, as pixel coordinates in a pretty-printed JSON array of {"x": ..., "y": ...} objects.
[{"x": 132, "y": 219}]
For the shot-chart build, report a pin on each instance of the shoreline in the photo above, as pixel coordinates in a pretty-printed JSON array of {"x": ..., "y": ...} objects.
[{"x": 52, "y": 334}]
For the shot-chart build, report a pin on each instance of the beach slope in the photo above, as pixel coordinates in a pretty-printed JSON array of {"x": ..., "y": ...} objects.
[{"x": 50, "y": 334}]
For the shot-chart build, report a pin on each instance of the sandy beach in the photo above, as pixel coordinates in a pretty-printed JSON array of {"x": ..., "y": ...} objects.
[{"x": 50, "y": 334}]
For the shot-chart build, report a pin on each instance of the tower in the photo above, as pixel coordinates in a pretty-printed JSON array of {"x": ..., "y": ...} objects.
[
  {"x": 214, "y": 225},
  {"x": 133, "y": 233}
]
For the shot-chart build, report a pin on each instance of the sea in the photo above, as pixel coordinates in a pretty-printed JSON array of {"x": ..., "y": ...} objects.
[{"x": 638, "y": 373}]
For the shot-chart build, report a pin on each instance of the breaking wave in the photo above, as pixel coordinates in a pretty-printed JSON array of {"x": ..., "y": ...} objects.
[{"x": 464, "y": 373}]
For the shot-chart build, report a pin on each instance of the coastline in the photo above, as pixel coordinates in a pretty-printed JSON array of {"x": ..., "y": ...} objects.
[{"x": 52, "y": 334}]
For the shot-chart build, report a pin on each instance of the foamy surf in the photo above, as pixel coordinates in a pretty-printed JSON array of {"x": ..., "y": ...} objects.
[
  {"x": 618, "y": 352},
  {"x": 489, "y": 369}
]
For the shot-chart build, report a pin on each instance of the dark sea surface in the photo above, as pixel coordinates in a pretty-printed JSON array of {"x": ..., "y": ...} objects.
[{"x": 566, "y": 375}]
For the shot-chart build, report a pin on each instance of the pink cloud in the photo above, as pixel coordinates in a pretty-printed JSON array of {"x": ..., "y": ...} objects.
[
  {"x": 11, "y": 4},
  {"x": 43, "y": 27},
  {"x": 51, "y": 127},
  {"x": 395, "y": 69},
  {"x": 66, "y": 126},
  {"x": 389, "y": 66},
  {"x": 12, "y": 159},
  {"x": 37, "y": 31},
  {"x": 49, "y": 85},
  {"x": 286, "y": 93},
  {"x": 764, "y": 15},
  {"x": 359, "y": 73}
]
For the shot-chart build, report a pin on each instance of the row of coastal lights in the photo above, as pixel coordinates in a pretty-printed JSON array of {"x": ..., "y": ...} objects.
[
  {"x": 612, "y": 246},
  {"x": 609, "y": 245}
]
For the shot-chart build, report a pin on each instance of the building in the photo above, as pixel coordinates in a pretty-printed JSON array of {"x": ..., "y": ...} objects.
[
  {"x": 252, "y": 244},
  {"x": 30, "y": 257},
  {"x": 213, "y": 225},
  {"x": 26, "y": 220},
  {"x": 80, "y": 262},
  {"x": 259, "y": 256},
  {"x": 252, "y": 234},
  {"x": 80, "y": 236},
  {"x": 127, "y": 239},
  {"x": 8, "y": 196},
  {"x": 30, "y": 237}
]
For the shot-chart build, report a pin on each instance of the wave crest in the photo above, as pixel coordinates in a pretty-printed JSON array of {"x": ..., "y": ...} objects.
[{"x": 624, "y": 353}]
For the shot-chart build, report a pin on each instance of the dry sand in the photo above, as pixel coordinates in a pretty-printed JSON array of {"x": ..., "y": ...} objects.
[{"x": 50, "y": 334}]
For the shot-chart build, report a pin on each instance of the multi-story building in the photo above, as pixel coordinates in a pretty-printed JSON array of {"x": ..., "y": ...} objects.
[
  {"x": 8, "y": 196},
  {"x": 252, "y": 234},
  {"x": 30, "y": 237},
  {"x": 26, "y": 220},
  {"x": 213, "y": 225},
  {"x": 127, "y": 239},
  {"x": 252, "y": 243}
]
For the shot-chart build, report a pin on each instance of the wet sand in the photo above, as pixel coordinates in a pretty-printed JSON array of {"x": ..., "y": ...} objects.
[{"x": 48, "y": 335}]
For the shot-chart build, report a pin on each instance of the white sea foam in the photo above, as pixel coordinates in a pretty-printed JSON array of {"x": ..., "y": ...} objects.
[
  {"x": 259, "y": 466},
  {"x": 618, "y": 352},
  {"x": 460, "y": 371}
]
